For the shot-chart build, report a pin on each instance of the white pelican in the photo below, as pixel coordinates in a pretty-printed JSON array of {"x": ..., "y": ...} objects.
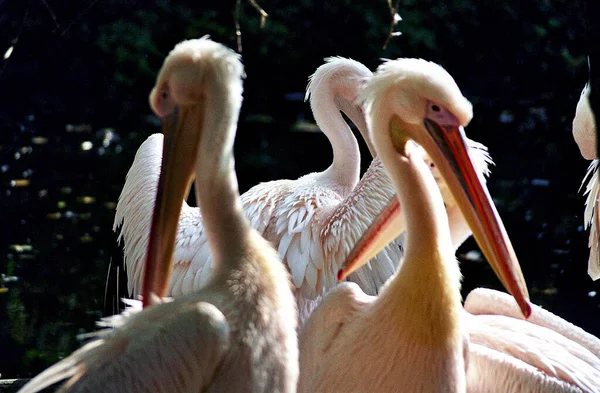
[
  {"x": 310, "y": 219},
  {"x": 239, "y": 333},
  {"x": 584, "y": 126},
  {"x": 584, "y": 132},
  {"x": 411, "y": 338},
  {"x": 544, "y": 354},
  {"x": 314, "y": 221}
]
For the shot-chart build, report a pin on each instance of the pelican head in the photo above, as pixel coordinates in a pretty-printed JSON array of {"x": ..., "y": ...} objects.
[
  {"x": 413, "y": 99},
  {"x": 179, "y": 98},
  {"x": 584, "y": 126},
  {"x": 345, "y": 78}
]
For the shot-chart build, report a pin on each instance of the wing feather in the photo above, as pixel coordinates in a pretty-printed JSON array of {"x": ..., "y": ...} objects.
[
  {"x": 319, "y": 332},
  {"x": 487, "y": 301},
  {"x": 544, "y": 349},
  {"x": 192, "y": 253},
  {"x": 591, "y": 219},
  {"x": 175, "y": 346},
  {"x": 351, "y": 219},
  {"x": 490, "y": 371},
  {"x": 300, "y": 247}
]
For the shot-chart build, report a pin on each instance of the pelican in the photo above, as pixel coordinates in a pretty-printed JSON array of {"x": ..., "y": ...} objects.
[
  {"x": 313, "y": 220},
  {"x": 584, "y": 133},
  {"x": 411, "y": 338},
  {"x": 238, "y": 334},
  {"x": 544, "y": 354},
  {"x": 309, "y": 219},
  {"x": 584, "y": 126}
]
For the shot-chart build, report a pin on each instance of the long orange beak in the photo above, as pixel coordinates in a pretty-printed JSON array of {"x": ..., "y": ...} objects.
[
  {"x": 386, "y": 227},
  {"x": 447, "y": 147},
  {"x": 357, "y": 115},
  {"x": 179, "y": 156}
]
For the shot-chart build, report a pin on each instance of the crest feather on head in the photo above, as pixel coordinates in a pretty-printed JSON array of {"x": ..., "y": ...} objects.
[
  {"x": 420, "y": 78},
  {"x": 333, "y": 66}
]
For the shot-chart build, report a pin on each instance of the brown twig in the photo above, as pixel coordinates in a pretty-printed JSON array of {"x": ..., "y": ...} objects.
[
  {"x": 263, "y": 14},
  {"x": 236, "y": 17},
  {"x": 394, "y": 20},
  {"x": 238, "y": 31}
]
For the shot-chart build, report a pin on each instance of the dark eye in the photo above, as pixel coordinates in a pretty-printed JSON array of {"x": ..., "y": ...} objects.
[
  {"x": 164, "y": 95},
  {"x": 431, "y": 165},
  {"x": 435, "y": 108}
]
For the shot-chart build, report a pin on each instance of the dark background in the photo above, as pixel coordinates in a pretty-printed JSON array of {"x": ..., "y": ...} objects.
[{"x": 80, "y": 73}]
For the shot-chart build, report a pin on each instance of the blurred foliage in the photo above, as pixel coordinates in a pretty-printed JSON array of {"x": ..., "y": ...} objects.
[{"x": 75, "y": 110}]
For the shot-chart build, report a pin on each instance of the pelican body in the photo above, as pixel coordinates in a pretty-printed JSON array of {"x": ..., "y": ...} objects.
[
  {"x": 543, "y": 354},
  {"x": 238, "y": 334},
  {"x": 584, "y": 133},
  {"x": 313, "y": 221},
  {"x": 411, "y": 337},
  {"x": 414, "y": 336}
]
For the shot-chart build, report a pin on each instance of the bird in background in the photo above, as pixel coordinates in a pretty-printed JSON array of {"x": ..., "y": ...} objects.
[
  {"x": 412, "y": 336},
  {"x": 314, "y": 220},
  {"x": 584, "y": 133},
  {"x": 238, "y": 333},
  {"x": 544, "y": 353}
]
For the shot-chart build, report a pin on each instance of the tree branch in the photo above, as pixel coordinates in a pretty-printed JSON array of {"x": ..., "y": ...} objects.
[
  {"x": 236, "y": 16},
  {"x": 395, "y": 19}
]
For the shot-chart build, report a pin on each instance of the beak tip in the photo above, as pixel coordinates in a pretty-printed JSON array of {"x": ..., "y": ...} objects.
[
  {"x": 341, "y": 275},
  {"x": 526, "y": 309}
]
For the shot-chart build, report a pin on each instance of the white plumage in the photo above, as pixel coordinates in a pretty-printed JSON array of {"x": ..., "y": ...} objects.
[
  {"x": 238, "y": 333},
  {"x": 314, "y": 221},
  {"x": 414, "y": 336},
  {"x": 584, "y": 133},
  {"x": 584, "y": 126},
  {"x": 544, "y": 353},
  {"x": 591, "y": 219}
]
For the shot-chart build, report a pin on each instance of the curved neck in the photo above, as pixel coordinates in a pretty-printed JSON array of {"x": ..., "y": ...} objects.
[
  {"x": 216, "y": 186},
  {"x": 423, "y": 207},
  {"x": 428, "y": 282},
  {"x": 459, "y": 227},
  {"x": 345, "y": 169}
]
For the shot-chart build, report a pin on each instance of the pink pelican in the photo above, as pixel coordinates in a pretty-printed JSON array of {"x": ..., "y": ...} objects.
[
  {"x": 544, "y": 354},
  {"x": 238, "y": 334},
  {"x": 411, "y": 338},
  {"x": 314, "y": 220},
  {"x": 584, "y": 132}
]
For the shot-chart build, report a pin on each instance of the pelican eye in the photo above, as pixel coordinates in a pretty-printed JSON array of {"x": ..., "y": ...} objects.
[{"x": 435, "y": 108}]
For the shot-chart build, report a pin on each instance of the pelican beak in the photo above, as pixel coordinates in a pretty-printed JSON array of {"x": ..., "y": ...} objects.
[
  {"x": 446, "y": 145},
  {"x": 179, "y": 156},
  {"x": 356, "y": 113},
  {"x": 360, "y": 121},
  {"x": 387, "y": 226}
]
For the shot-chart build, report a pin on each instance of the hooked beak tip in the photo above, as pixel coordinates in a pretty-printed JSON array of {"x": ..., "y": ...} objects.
[
  {"x": 341, "y": 275},
  {"x": 525, "y": 306}
]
